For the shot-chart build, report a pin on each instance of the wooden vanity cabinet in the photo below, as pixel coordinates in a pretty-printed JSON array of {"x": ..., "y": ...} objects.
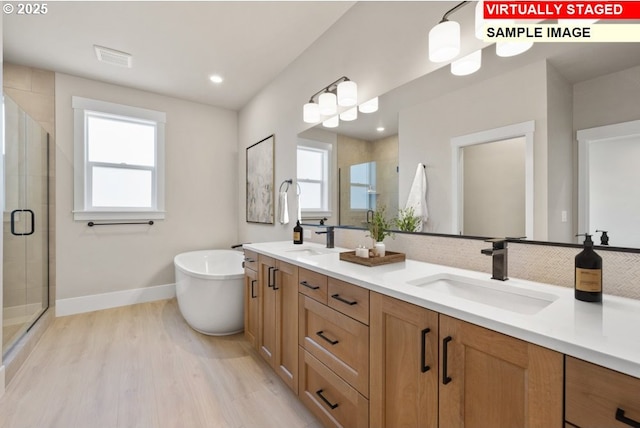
[
  {"x": 404, "y": 364},
  {"x": 600, "y": 397},
  {"x": 251, "y": 297},
  {"x": 278, "y": 315},
  {"x": 491, "y": 379},
  {"x": 475, "y": 378}
]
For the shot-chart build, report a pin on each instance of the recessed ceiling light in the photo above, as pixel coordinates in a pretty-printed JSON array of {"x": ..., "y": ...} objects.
[
  {"x": 380, "y": 128},
  {"x": 216, "y": 78}
]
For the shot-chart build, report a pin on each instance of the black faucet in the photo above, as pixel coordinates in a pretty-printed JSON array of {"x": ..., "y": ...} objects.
[
  {"x": 498, "y": 252},
  {"x": 330, "y": 236}
]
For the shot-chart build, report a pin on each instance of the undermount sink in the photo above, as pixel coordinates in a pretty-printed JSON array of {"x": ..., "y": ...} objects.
[
  {"x": 489, "y": 292},
  {"x": 311, "y": 251}
]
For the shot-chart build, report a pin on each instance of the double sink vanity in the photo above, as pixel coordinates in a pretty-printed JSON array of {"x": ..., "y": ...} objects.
[{"x": 422, "y": 345}]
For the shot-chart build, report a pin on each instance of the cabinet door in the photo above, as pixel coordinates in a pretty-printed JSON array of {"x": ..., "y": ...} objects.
[
  {"x": 599, "y": 397},
  {"x": 251, "y": 307},
  {"x": 286, "y": 292},
  {"x": 404, "y": 364},
  {"x": 490, "y": 379},
  {"x": 267, "y": 309}
]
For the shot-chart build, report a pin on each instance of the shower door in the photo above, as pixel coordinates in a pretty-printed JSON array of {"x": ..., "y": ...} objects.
[{"x": 26, "y": 229}]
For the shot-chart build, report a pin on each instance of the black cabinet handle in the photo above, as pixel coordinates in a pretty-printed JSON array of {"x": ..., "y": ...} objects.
[
  {"x": 306, "y": 284},
  {"x": 249, "y": 259},
  {"x": 625, "y": 420},
  {"x": 423, "y": 355},
  {"x": 274, "y": 279},
  {"x": 445, "y": 351},
  {"x": 253, "y": 295},
  {"x": 321, "y": 334},
  {"x": 343, "y": 300},
  {"x": 269, "y": 284},
  {"x": 327, "y": 402}
]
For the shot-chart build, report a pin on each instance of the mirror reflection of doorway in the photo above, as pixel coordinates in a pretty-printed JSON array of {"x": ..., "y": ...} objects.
[
  {"x": 492, "y": 175},
  {"x": 494, "y": 188},
  {"x": 608, "y": 169}
]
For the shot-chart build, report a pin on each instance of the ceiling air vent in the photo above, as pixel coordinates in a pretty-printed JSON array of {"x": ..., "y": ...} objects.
[{"x": 113, "y": 57}]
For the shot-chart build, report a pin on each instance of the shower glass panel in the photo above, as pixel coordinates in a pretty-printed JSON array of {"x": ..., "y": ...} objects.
[{"x": 25, "y": 211}]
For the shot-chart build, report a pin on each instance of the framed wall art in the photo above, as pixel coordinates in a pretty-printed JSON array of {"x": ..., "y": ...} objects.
[{"x": 260, "y": 181}]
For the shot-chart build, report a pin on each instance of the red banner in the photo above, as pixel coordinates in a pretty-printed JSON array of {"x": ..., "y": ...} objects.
[{"x": 561, "y": 10}]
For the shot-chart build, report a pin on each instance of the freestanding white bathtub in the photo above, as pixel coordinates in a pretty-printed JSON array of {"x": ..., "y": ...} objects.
[{"x": 210, "y": 290}]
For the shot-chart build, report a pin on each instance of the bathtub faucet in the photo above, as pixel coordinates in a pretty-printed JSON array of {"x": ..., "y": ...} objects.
[
  {"x": 236, "y": 246},
  {"x": 330, "y": 236}
]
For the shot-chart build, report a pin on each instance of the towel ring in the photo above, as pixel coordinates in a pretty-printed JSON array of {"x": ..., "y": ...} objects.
[{"x": 287, "y": 182}]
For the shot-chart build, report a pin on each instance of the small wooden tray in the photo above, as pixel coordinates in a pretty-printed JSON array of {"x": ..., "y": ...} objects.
[{"x": 389, "y": 257}]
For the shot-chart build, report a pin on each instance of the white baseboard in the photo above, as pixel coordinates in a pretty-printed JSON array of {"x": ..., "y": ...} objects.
[
  {"x": 15, "y": 315},
  {"x": 96, "y": 302},
  {"x": 1, "y": 381}
]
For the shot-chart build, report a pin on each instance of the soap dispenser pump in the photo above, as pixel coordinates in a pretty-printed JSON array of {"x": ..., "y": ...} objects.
[{"x": 588, "y": 273}]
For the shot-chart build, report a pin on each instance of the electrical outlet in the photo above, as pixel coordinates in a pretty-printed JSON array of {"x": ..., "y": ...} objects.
[
  {"x": 306, "y": 234},
  {"x": 563, "y": 216}
]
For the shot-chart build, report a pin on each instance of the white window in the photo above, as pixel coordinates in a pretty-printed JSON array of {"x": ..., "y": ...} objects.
[
  {"x": 119, "y": 161},
  {"x": 314, "y": 165}
]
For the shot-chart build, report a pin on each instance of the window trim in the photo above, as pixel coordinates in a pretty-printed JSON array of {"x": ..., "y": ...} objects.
[
  {"x": 81, "y": 212},
  {"x": 328, "y": 183}
]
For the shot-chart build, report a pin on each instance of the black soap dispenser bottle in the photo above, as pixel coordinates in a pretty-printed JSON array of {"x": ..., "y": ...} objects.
[
  {"x": 297, "y": 233},
  {"x": 588, "y": 273}
]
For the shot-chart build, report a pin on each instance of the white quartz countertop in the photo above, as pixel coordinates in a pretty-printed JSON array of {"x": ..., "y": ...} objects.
[{"x": 602, "y": 333}]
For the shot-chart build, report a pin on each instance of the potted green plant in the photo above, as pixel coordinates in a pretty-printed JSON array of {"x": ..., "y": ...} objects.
[
  {"x": 407, "y": 221},
  {"x": 379, "y": 228}
]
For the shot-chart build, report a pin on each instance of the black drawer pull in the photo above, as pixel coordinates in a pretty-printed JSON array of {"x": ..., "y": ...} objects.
[
  {"x": 270, "y": 269},
  {"x": 423, "y": 355},
  {"x": 321, "y": 334},
  {"x": 625, "y": 420},
  {"x": 445, "y": 351},
  {"x": 274, "y": 279},
  {"x": 249, "y": 260},
  {"x": 253, "y": 295},
  {"x": 327, "y": 402},
  {"x": 343, "y": 300},
  {"x": 306, "y": 284}
]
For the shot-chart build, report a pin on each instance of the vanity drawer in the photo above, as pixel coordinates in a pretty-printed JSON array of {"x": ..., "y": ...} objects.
[
  {"x": 340, "y": 342},
  {"x": 251, "y": 260},
  {"x": 349, "y": 299},
  {"x": 599, "y": 397},
  {"x": 330, "y": 398},
  {"x": 313, "y": 284}
]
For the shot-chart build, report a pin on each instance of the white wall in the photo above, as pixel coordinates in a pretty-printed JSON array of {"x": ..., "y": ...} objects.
[
  {"x": 201, "y": 154},
  {"x": 606, "y": 100},
  {"x": 561, "y": 159},
  {"x": 367, "y": 46}
]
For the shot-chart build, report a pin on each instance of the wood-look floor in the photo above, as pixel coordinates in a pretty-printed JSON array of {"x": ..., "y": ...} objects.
[{"x": 142, "y": 366}]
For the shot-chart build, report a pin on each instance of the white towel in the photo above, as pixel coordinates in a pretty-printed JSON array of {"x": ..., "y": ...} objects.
[
  {"x": 418, "y": 196},
  {"x": 283, "y": 213}
]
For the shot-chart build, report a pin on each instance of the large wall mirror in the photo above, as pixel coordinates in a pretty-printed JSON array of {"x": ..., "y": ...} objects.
[{"x": 559, "y": 87}]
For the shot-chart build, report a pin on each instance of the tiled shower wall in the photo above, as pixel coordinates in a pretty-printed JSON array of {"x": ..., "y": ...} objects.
[{"x": 539, "y": 263}]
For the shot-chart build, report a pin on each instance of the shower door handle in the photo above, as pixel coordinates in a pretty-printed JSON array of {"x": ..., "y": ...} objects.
[{"x": 13, "y": 222}]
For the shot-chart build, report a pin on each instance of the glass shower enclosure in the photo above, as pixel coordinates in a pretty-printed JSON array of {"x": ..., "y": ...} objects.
[{"x": 25, "y": 211}]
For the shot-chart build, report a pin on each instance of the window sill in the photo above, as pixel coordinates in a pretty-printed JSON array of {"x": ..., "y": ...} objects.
[{"x": 118, "y": 215}]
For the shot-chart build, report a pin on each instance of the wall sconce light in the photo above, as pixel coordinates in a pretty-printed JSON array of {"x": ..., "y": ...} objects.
[
  {"x": 370, "y": 106},
  {"x": 332, "y": 122},
  {"x": 467, "y": 64},
  {"x": 349, "y": 115},
  {"x": 343, "y": 92},
  {"x": 444, "y": 38}
]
